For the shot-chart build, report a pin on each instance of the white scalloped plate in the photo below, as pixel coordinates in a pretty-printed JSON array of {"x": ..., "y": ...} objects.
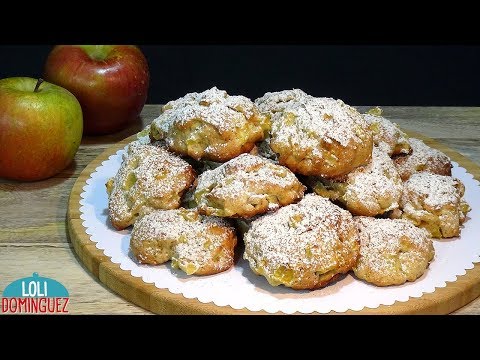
[{"x": 240, "y": 288}]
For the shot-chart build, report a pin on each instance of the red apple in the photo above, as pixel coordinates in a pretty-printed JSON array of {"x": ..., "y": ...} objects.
[
  {"x": 110, "y": 82},
  {"x": 40, "y": 128}
]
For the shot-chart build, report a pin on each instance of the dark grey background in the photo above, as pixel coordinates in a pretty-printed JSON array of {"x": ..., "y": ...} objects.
[{"x": 373, "y": 75}]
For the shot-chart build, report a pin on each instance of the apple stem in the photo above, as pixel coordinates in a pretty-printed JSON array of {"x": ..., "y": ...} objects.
[{"x": 39, "y": 82}]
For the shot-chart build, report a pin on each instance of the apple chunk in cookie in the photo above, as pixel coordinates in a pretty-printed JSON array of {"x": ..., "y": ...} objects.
[
  {"x": 149, "y": 178},
  {"x": 246, "y": 186}
]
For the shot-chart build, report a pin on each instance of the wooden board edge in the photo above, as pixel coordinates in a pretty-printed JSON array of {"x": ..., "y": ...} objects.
[{"x": 161, "y": 301}]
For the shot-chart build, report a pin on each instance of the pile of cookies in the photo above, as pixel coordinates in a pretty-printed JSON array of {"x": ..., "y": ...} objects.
[{"x": 311, "y": 186}]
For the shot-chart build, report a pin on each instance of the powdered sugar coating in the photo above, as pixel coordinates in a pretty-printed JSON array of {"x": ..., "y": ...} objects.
[
  {"x": 329, "y": 119},
  {"x": 375, "y": 188},
  {"x": 246, "y": 186},
  {"x": 149, "y": 178},
  {"x": 321, "y": 137},
  {"x": 210, "y": 125},
  {"x": 435, "y": 190},
  {"x": 195, "y": 243},
  {"x": 222, "y": 115},
  {"x": 368, "y": 190},
  {"x": 387, "y": 135},
  {"x": 273, "y": 102},
  {"x": 302, "y": 245},
  {"x": 392, "y": 251},
  {"x": 434, "y": 202},
  {"x": 422, "y": 159}
]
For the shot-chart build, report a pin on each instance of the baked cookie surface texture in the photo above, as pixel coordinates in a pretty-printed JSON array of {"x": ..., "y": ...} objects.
[
  {"x": 304, "y": 245},
  {"x": 149, "y": 177},
  {"x": 321, "y": 137},
  {"x": 391, "y": 251},
  {"x": 246, "y": 186},
  {"x": 210, "y": 125},
  {"x": 196, "y": 244}
]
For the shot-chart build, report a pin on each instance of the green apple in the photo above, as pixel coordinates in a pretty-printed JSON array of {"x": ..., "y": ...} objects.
[{"x": 41, "y": 128}]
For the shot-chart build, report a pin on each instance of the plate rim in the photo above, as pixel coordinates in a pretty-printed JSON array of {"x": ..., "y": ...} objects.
[{"x": 161, "y": 301}]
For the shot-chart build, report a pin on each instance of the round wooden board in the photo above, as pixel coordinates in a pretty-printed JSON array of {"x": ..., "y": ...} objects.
[{"x": 161, "y": 301}]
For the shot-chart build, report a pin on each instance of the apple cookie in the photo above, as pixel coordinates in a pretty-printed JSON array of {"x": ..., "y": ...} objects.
[
  {"x": 210, "y": 125},
  {"x": 391, "y": 251},
  {"x": 194, "y": 243},
  {"x": 386, "y": 134},
  {"x": 423, "y": 158},
  {"x": 368, "y": 190},
  {"x": 321, "y": 137},
  {"x": 149, "y": 178},
  {"x": 304, "y": 245},
  {"x": 434, "y": 202},
  {"x": 273, "y": 102},
  {"x": 246, "y": 186}
]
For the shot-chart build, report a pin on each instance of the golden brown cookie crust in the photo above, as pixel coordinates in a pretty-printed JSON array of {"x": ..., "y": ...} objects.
[
  {"x": 210, "y": 125},
  {"x": 386, "y": 134},
  {"x": 304, "y": 245},
  {"x": 423, "y": 158},
  {"x": 246, "y": 186},
  {"x": 391, "y": 251},
  {"x": 435, "y": 203},
  {"x": 321, "y": 137},
  {"x": 368, "y": 190},
  {"x": 273, "y": 102},
  {"x": 196, "y": 244},
  {"x": 149, "y": 178}
]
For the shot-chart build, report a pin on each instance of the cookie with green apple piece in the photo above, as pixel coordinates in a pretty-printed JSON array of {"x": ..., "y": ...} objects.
[
  {"x": 303, "y": 246},
  {"x": 386, "y": 134},
  {"x": 210, "y": 125},
  {"x": 196, "y": 244},
  {"x": 321, "y": 137},
  {"x": 391, "y": 251},
  {"x": 434, "y": 202},
  {"x": 150, "y": 177},
  {"x": 246, "y": 186}
]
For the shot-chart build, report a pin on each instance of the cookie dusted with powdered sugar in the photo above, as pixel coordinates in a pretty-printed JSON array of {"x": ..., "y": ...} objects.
[
  {"x": 210, "y": 125},
  {"x": 386, "y": 134},
  {"x": 423, "y": 158},
  {"x": 391, "y": 251},
  {"x": 435, "y": 203},
  {"x": 273, "y": 102},
  {"x": 246, "y": 186},
  {"x": 321, "y": 137},
  {"x": 149, "y": 178},
  {"x": 304, "y": 245},
  {"x": 368, "y": 190},
  {"x": 194, "y": 243}
]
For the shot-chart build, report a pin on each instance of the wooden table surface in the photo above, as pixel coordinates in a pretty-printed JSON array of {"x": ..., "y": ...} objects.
[{"x": 34, "y": 237}]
